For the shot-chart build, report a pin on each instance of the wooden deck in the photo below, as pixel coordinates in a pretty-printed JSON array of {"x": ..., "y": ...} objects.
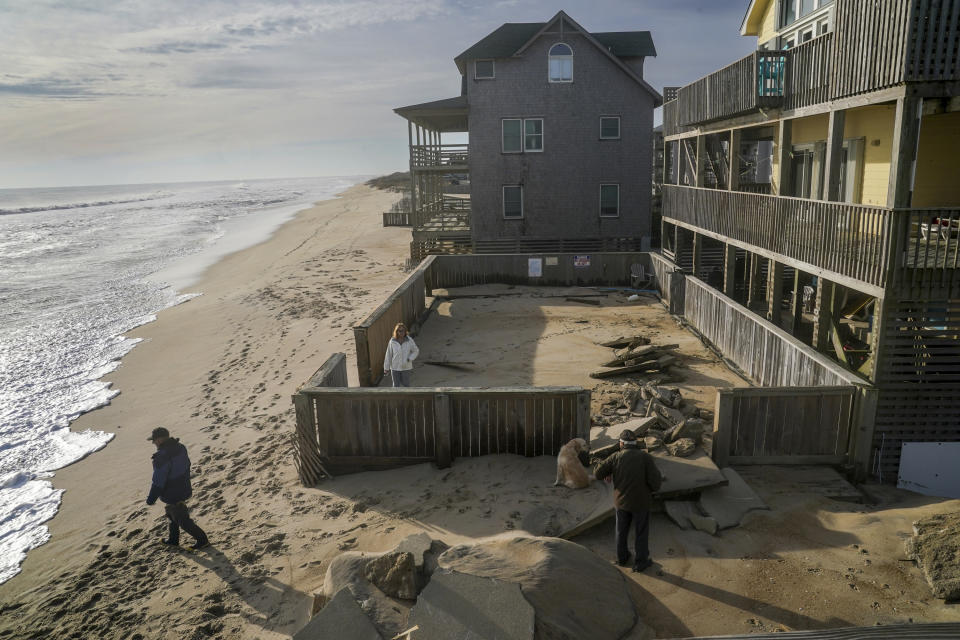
[{"x": 449, "y": 158}]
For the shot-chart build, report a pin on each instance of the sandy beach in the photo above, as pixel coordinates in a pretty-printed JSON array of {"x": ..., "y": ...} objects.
[{"x": 219, "y": 371}]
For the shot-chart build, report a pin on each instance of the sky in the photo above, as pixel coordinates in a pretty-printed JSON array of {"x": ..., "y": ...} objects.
[{"x": 136, "y": 91}]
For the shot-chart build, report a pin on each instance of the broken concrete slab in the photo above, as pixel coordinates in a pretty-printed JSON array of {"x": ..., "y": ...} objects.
[
  {"x": 686, "y": 476},
  {"x": 348, "y": 570},
  {"x": 394, "y": 573},
  {"x": 686, "y": 515},
  {"x": 682, "y": 447},
  {"x": 459, "y": 605},
  {"x": 341, "y": 618},
  {"x": 604, "y": 436},
  {"x": 728, "y": 504},
  {"x": 822, "y": 480}
]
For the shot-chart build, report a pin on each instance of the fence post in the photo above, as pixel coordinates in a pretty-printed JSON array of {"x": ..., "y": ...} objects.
[
  {"x": 864, "y": 418},
  {"x": 677, "y": 293},
  {"x": 441, "y": 426},
  {"x": 722, "y": 426},
  {"x": 583, "y": 414},
  {"x": 363, "y": 356},
  {"x": 305, "y": 442}
]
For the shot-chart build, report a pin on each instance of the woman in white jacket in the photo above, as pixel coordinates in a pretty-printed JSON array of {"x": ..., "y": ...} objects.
[{"x": 401, "y": 352}]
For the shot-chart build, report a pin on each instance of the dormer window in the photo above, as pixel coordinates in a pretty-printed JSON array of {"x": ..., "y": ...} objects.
[
  {"x": 561, "y": 63},
  {"x": 483, "y": 70}
]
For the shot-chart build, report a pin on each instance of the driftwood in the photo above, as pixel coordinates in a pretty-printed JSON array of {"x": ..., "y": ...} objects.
[
  {"x": 659, "y": 363},
  {"x": 621, "y": 342}
]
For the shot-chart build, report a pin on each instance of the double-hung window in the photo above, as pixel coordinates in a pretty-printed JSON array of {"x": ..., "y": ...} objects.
[
  {"x": 609, "y": 200},
  {"x": 522, "y": 135},
  {"x": 610, "y": 128},
  {"x": 512, "y": 201}
]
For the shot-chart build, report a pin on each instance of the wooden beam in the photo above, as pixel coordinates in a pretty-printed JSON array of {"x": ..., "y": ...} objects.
[
  {"x": 733, "y": 183},
  {"x": 722, "y": 428},
  {"x": 906, "y": 137},
  {"x": 831, "y": 174},
  {"x": 774, "y": 291},
  {"x": 700, "y": 164},
  {"x": 861, "y": 430},
  {"x": 796, "y": 302},
  {"x": 753, "y": 278},
  {"x": 697, "y": 253},
  {"x": 823, "y": 315},
  {"x": 729, "y": 269},
  {"x": 785, "y": 158}
]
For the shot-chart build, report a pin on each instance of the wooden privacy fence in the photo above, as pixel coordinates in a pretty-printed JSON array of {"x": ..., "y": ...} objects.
[
  {"x": 407, "y": 305},
  {"x": 787, "y": 425},
  {"x": 343, "y": 430},
  {"x": 669, "y": 282}
]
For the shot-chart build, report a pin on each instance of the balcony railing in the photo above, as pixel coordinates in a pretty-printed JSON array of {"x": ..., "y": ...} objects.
[
  {"x": 444, "y": 213},
  {"x": 439, "y": 156},
  {"x": 861, "y": 242},
  {"x": 874, "y": 46},
  {"x": 750, "y": 83}
]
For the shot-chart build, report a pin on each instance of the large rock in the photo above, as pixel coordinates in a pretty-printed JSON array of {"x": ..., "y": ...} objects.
[
  {"x": 395, "y": 574},
  {"x": 682, "y": 447},
  {"x": 342, "y": 618},
  {"x": 575, "y": 593},
  {"x": 936, "y": 548},
  {"x": 457, "y": 605},
  {"x": 691, "y": 428}
]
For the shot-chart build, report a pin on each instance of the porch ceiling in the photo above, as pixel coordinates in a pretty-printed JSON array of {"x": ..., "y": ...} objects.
[{"x": 448, "y": 115}]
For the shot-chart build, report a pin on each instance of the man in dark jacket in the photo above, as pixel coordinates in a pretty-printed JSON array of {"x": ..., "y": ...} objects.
[
  {"x": 635, "y": 478},
  {"x": 171, "y": 483}
]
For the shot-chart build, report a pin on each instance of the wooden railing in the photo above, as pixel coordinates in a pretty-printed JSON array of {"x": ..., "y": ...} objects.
[
  {"x": 747, "y": 84},
  {"x": 852, "y": 240},
  {"x": 439, "y": 156},
  {"x": 808, "y": 73},
  {"x": 443, "y": 213},
  {"x": 927, "y": 247}
]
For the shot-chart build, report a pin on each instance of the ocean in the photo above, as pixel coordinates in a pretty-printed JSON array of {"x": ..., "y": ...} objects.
[{"x": 79, "y": 267}]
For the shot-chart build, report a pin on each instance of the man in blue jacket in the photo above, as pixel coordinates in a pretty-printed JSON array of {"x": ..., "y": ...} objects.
[{"x": 171, "y": 483}]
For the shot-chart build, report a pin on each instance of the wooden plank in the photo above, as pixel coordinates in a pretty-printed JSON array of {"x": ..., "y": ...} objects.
[
  {"x": 529, "y": 427},
  {"x": 441, "y": 429},
  {"x": 722, "y": 428}
]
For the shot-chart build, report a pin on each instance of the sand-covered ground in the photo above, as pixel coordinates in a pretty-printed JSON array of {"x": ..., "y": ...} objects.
[{"x": 219, "y": 371}]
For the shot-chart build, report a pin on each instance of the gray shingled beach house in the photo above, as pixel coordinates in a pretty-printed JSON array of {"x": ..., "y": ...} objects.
[{"x": 559, "y": 155}]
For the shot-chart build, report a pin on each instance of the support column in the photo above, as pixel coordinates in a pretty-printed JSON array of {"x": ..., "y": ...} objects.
[
  {"x": 413, "y": 179},
  {"x": 823, "y": 314},
  {"x": 701, "y": 150},
  {"x": 906, "y": 136},
  {"x": 796, "y": 302},
  {"x": 831, "y": 172},
  {"x": 774, "y": 291},
  {"x": 697, "y": 253},
  {"x": 753, "y": 278},
  {"x": 785, "y": 159},
  {"x": 729, "y": 269},
  {"x": 733, "y": 183}
]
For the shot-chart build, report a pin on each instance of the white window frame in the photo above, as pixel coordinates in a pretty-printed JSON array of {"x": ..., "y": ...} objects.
[
  {"x": 493, "y": 69},
  {"x": 523, "y": 135},
  {"x": 609, "y": 184},
  {"x": 603, "y": 137},
  {"x": 503, "y": 201},
  {"x": 551, "y": 57}
]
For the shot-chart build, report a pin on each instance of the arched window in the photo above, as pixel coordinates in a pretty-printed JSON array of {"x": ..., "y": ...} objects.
[{"x": 561, "y": 63}]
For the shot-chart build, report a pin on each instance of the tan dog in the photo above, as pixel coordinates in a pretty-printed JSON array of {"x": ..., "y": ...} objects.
[{"x": 570, "y": 472}]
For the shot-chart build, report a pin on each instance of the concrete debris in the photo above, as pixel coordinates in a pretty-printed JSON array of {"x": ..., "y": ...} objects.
[
  {"x": 653, "y": 440},
  {"x": 728, "y": 504},
  {"x": 341, "y": 618},
  {"x": 395, "y": 574},
  {"x": 682, "y": 447},
  {"x": 691, "y": 428}
]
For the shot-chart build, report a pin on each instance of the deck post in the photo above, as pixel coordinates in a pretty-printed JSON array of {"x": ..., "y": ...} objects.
[
  {"x": 413, "y": 179},
  {"x": 729, "y": 269},
  {"x": 796, "y": 302},
  {"x": 733, "y": 181},
  {"x": 864, "y": 421},
  {"x": 753, "y": 278},
  {"x": 722, "y": 426},
  {"x": 784, "y": 158},
  {"x": 823, "y": 314},
  {"x": 774, "y": 291},
  {"x": 831, "y": 178},
  {"x": 906, "y": 137},
  {"x": 700, "y": 164},
  {"x": 697, "y": 253}
]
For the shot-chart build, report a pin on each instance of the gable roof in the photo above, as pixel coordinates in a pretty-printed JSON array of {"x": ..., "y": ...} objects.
[
  {"x": 750, "y": 26},
  {"x": 512, "y": 39}
]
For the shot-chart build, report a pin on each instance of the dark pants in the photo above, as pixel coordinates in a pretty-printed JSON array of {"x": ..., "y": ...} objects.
[
  {"x": 400, "y": 378},
  {"x": 641, "y": 527},
  {"x": 179, "y": 517}
]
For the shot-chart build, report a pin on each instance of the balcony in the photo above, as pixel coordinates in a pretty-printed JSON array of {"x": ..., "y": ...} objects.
[
  {"x": 876, "y": 246},
  {"x": 885, "y": 45},
  {"x": 451, "y": 158},
  {"x": 442, "y": 215}
]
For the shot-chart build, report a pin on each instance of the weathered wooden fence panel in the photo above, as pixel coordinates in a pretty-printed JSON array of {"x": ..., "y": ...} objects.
[
  {"x": 344, "y": 430},
  {"x": 559, "y": 269},
  {"x": 784, "y": 425},
  {"x": 766, "y": 353},
  {"x": 669, "y": 282},
  {"x": 407, "y": 305}
]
